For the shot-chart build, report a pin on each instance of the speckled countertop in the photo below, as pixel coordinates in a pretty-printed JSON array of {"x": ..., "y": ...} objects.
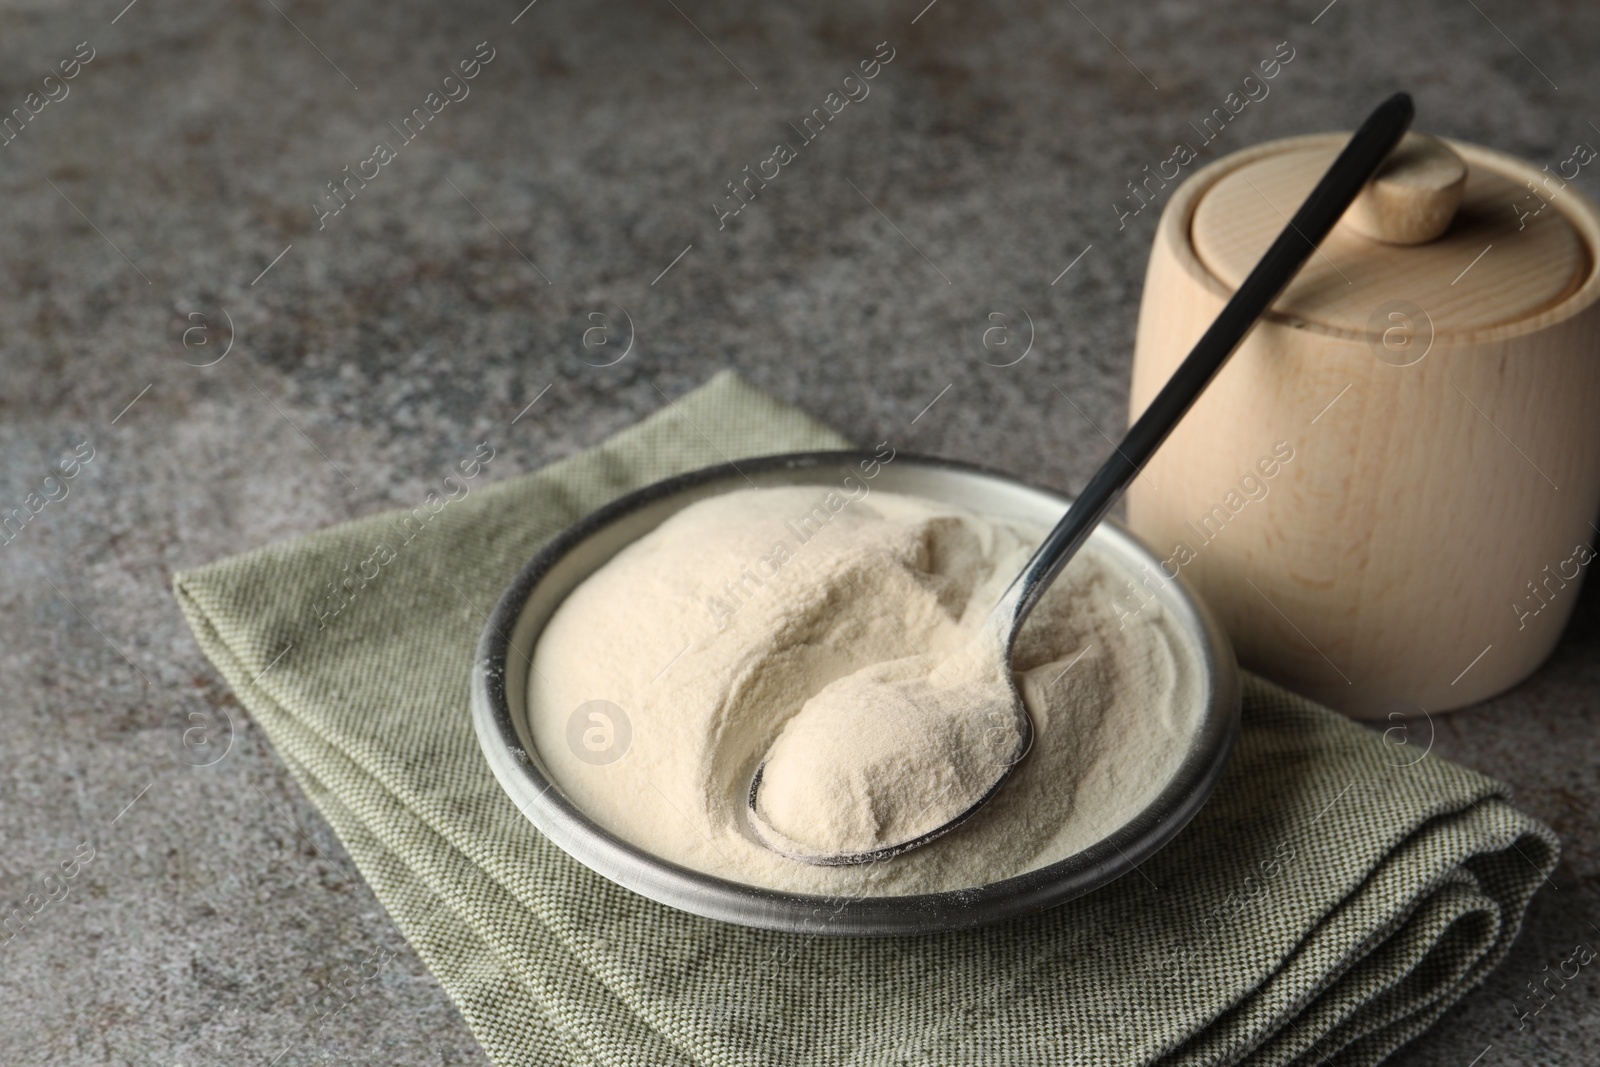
[{"x": 175, "y": 175}]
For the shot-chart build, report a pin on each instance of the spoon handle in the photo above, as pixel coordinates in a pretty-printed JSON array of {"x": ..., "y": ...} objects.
[{"x": 1360, "y": 158}]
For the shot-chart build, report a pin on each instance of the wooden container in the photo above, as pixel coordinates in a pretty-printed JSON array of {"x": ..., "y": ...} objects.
[{"x": 1387, "y": 494}]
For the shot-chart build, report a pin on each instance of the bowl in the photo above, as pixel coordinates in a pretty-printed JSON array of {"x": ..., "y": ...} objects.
[{"x": 505, "y": 654}]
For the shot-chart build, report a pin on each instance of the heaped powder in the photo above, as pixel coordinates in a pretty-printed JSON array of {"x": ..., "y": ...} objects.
[
  {"x": 890, "y": 754},
  {"x": 710, "y": 633}
]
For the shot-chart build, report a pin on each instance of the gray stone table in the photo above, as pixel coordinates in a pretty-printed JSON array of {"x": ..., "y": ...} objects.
[{"x": 179, "y": 173}]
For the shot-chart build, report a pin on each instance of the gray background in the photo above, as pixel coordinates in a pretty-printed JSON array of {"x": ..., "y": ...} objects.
[{"x": 425, "y": 317}]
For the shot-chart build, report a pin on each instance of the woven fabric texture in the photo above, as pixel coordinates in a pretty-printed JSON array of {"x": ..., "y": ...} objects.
[{"x": 1336, "y": 895}]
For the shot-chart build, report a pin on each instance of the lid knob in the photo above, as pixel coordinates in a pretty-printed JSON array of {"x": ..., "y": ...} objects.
[{"x": 1414, "y": 195}]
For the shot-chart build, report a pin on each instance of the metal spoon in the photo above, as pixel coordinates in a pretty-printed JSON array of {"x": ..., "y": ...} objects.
[{"x": 1334, "y": 193}]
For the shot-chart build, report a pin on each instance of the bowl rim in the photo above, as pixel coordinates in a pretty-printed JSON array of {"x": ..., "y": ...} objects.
[{"x": 543, "y": 803}]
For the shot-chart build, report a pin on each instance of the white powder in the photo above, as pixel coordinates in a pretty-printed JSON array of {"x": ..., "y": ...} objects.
[
  {"x": 714, "y": 630},
  {"x": 890, "y": 753}
]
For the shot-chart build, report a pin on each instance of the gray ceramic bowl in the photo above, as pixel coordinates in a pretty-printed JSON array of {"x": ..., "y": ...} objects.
[{"x": 499, "y": 686}]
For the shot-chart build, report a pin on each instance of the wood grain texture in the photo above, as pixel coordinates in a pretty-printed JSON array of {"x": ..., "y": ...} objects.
[
  {"x": 1534, "y": 263},
  {"x": 1414, "y": 196},
  {"x": 1437, "y": 482}
]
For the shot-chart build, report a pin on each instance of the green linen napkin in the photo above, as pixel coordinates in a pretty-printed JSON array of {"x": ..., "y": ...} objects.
[{"x": 1333, "y": 898}]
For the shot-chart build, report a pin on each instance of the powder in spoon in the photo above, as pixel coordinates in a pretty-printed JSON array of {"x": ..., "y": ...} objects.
[
  {"x": 890, "y": 754},
  {"x": 709, "y": 634}
]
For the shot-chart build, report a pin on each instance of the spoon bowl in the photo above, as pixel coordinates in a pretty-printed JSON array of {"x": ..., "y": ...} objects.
[{"x": 965, "y": 703}]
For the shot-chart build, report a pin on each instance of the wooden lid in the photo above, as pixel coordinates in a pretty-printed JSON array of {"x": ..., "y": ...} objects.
[{"x": 1505, "y": 254}]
